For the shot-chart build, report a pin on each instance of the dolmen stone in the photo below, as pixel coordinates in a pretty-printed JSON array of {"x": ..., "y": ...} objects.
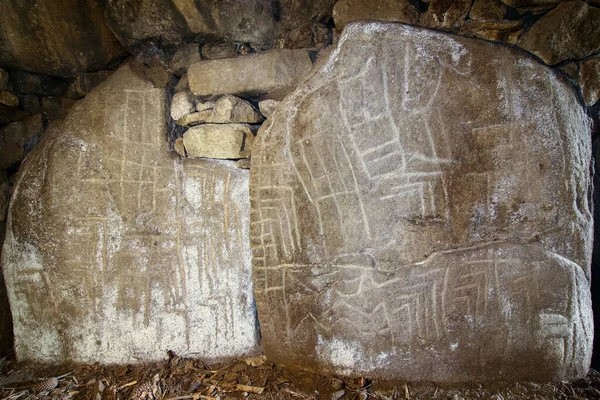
[
  {"x": 419, "y": 211},
  {"x": 117, "y": 250},
  {"x": 270, "y": 74}
]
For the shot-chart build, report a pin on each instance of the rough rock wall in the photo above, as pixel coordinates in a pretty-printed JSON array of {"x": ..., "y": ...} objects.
[{"x": 420, "y": 211}]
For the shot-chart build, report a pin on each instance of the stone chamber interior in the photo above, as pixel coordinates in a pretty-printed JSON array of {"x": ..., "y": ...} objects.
[{"x": 401, "y": 190}]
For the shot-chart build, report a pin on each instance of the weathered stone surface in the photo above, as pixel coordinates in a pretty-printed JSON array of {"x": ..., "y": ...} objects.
[
  {"x": 185, "y": 56},
  {"x": 141, "y": 25},
  {"x": 116, "y": 249},
  {"x": 445, "y": 14},
  {"x": 230, "y": 109},
  {"x": 590, "y": 80},
  {"x": 182, "y": 104},
  {"x": 194, "y": 118},
  {"x": 31, "y": 102},
  {"x": 3, "y": 79},
  {"x": 267, "y": 107},
  {"x": 205, "y": 105},
  {"x": 8, "y": 99},
  {"x": 183, "y": 84},
  {"x": 85, "y": 82},
  {"x": 570, "y": 31},
  {"x": 346, "y": 11},
  {"x": 217, "y": 51},
  {"x": 313, "y": 35},
  {"x": 56, "y": 37},
  {"x": 179, "y": 147},
  {"x": 499, "y": 31},
  {"x": 42, "y": 85},
  {"x": 18, "y": 138},
  {"x": 487, "y": 10},
  {"x": 271, "y": 74},
  {"x": 530, "y": 3},
  {"x": 420, "y": 212},
  {"x": 226, "y": 141},
  {"x": 55, "y": 108},
  {"x": 11, "y": 114}
]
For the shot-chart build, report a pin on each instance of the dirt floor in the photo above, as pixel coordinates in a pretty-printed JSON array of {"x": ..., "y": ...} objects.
[{"x": 253, "y": 378}]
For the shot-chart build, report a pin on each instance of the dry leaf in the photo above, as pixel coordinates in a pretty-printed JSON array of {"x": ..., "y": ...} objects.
[{"x": 256, "y": 361}]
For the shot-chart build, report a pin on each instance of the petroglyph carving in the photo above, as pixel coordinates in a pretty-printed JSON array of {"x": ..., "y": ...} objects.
[
  {"x": 410, "y": 218},
  {"x": 137, "y": 250}
]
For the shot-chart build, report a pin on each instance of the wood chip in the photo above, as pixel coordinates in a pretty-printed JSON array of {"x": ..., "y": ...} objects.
[{"x": 249, "y": 389}]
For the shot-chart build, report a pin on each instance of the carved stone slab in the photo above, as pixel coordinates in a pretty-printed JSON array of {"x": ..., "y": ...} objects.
[
  {"x": 420, "y": 211},
  {"x": 116, "y": 250}
]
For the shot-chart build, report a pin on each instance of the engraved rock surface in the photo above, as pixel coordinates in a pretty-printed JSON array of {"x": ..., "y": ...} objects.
[
  {"x": 113, "y": 255},
  {"x": 270, "y": 74},
  {"x": 419, "y": 211}
]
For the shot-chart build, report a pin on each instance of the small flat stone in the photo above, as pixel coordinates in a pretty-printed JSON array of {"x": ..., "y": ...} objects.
[
  {"x": 243, "y": 163},
  {"x": 205, "y": 105},
  {"x": 183, "y": 58},
  {"x": 346, "y": 11},
  {"x": 590, "y": 80},
  {"x": 194, "y": 118},
  {"x": 498, "y": 31},
  {"x": 267, "y": 107},
  {"x": 270, "y": 74},
  {"x": 569, "y": 32},
  {"x": 8, "y": 99},
  {"x": 223, "y": 141},
  {"x": 445, "y": 14},
  {"x": 183, "y": 85},
  {"x": 217, "y": 51},
  {"x": 3, "y": 79},
  {"x": 487, "y": 10},
  {"x": 182, "y": 104},
  {"x": 179, "y": 147},
  {"x": 230, "y": 109}
]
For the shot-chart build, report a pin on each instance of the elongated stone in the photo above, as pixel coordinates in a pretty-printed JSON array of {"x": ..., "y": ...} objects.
[{"x": 420, "y": 212}]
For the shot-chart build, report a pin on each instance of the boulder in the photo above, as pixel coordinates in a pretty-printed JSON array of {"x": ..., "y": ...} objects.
[
  {"x": 56, "y": 37},
  {"x": 270, "y": 74},
  {"x": 117, "y": 250},
  {"x": 590, "y": 80},
  {"x": 346, "y": 11},
  {"x": 570, "y": 31},
  {"x": 18, "y": 138},
  {"x": 225, "y": 141},
  {"x": 420, "y": 212}
]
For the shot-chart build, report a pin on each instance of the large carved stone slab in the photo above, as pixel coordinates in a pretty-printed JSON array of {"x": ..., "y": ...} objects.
[
  {"x": 420, "y": 211},
  {"x": 116, "y": 250}
]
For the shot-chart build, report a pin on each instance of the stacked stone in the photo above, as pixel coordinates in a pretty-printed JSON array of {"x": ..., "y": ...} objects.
[{"x": 217, "y": 123}]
